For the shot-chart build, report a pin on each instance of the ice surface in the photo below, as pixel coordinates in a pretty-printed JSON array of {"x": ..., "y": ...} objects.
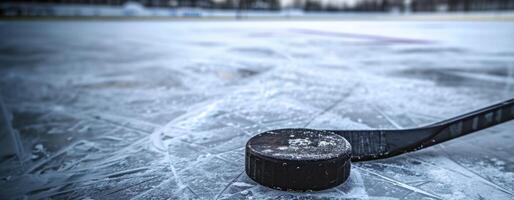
[{"x": 162, "y": 110}]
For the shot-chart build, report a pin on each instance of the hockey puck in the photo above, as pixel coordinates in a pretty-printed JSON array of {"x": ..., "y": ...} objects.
[{"x": 298, "y": 159}]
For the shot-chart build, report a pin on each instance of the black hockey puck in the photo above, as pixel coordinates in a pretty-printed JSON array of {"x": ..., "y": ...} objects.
[{"x": 298, "y": 159}]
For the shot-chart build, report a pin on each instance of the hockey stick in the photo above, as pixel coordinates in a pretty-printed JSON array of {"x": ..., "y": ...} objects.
[
  {"x": 307, "y": 159},
  {"x": 378, "y": 144}
]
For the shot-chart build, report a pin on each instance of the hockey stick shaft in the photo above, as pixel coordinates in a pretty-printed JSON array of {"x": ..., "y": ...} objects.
[
  {"x": 377, "y": 144},
  {"x": 472, "y": 122}
]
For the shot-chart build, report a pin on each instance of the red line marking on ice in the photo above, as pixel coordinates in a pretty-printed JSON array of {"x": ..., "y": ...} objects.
[{"x": 363, "y": 36}]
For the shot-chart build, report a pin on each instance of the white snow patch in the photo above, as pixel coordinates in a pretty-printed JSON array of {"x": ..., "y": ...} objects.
[
  {"x": 299, "y": 142},
  {"x": 242, "y": 184}
]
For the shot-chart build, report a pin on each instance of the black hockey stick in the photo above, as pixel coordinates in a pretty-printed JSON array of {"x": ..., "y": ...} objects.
[
  {"x": 307, "y": 159},
  {"x": 377, "y": 144}
]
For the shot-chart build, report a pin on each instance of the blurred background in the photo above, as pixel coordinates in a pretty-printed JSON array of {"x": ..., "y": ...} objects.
[{"x": 240, "y": 8}]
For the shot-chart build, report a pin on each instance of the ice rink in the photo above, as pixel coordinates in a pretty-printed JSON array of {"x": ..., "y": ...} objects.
[{"x": 163, "y": 109}]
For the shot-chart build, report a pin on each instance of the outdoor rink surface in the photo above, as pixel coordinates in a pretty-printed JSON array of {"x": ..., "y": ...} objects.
[{"x": 162, "y": 110}]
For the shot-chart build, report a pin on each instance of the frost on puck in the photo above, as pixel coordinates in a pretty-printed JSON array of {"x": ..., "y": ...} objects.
[{"x": 298, "y": 159}]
